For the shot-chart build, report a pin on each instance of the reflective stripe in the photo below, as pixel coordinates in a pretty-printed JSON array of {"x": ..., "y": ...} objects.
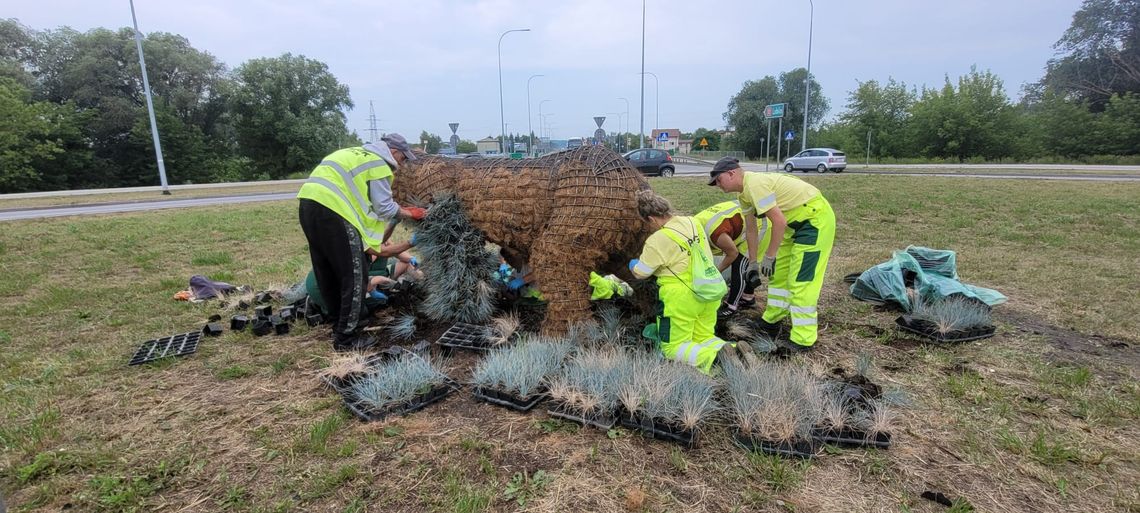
[
  {"x": 778, "y": 292},
  {"x": 340, "y": 194},
  {"x": 366, "y": 166},
  {"x": 351, "y": 185},
  {"x": 715, "y": 221},
  {"x": 766, "y": 202},
  {"x": 707, "y": 281},
  {"x": 803, "y": 309},
  {"x": 797, "y": 321},
  {"x": 642, "y": 269},
  {"x": 777, "y": 303},
  {"x": 682, "y": 352},
  {"x": 763, "y": 229},
  {"x": 692, "y": 350}
]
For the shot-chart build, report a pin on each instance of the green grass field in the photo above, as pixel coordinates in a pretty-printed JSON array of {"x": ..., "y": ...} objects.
[{"x": 1043, "y": 417}]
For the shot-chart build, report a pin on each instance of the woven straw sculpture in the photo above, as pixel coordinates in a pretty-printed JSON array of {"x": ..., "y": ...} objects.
[{"x": 565, "y": 214}]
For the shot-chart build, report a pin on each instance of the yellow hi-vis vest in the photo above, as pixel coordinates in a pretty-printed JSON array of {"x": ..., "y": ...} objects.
[
  {"x": 702, "y": 276},
  {"x": 340, "y": 183},
  {"x": 710, "y": 218}
]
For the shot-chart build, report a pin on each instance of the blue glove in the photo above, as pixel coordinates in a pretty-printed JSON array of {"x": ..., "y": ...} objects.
[
  {"x": 413, "y": 241},
  {"x": 633, "y": 263},
  {"x": 515, "y": 283},
  {"x": 414, "y": 261},
  {"x": 376, "y": 294}
]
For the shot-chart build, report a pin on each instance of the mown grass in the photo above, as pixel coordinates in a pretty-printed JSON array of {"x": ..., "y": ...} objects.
[
  {"x": 243, "y": 425},
  {"x": 7, "y": 203}
]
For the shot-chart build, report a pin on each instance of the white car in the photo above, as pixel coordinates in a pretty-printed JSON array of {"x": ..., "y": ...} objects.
[{"x": 821, "y": 160}]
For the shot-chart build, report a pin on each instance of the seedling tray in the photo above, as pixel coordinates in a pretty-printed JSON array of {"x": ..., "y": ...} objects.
[
  {"x": 174, "y": 345},
  {"x": 689, "y": 438},
  {"x": 850, "y": 438},
  {"x": 416, "y": 403},
  {"x": 509, "y": 400},
  {"x": 794, "y": 448},
  {"x": 465, "y": 336},
  {"x": 604, "y": 421},
  {"x": 374, "y": 360},
  {"x": 929, "y": 330}
]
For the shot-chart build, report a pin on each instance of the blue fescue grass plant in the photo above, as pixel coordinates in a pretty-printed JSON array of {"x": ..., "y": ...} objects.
[
  {"x": 403, "y": 327},
  {"x": 457, "y": 265},
  {"x": 590, "y": 381},
  {"x": 773, "y": 401},
  {"x": 954, "y": 313},
  {"x": 521, "y": 369},
  {"x": 398, "y": 380},
  {"x": 665, "y": 391}
]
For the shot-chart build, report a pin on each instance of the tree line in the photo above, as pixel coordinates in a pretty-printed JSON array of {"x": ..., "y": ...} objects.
[{"x": 73, "y": 111}]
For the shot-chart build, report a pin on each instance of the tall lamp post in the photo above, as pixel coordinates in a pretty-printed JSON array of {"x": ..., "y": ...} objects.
[
  {"x": 529, "y": 129},
  {"x": 656, "y": 95},
  {"x": 150, "y": 105},
  {"x": 541, "y": 123},
  {"x": 502, "y": 117},
  {"x": 807, "y": 79}
]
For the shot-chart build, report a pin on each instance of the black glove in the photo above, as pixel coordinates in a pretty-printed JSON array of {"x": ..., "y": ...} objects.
[{"x": 768, "y": 266}]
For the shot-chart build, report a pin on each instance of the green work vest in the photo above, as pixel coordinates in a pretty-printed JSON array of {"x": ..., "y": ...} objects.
[
  {"x": 702, "y": 276},
  {"x": 340, "y": 183},
  {"x": 710, "y": 218}
]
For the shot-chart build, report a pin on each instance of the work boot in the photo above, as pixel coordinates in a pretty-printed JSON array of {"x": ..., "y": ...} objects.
[
  {"x": 724, "y": 312},
  {"x": 785, "y": 348},
  {"x": 771, "y": 329}
]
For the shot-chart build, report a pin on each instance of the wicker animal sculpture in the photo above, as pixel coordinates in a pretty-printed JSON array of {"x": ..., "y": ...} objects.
[{"x": 564, "y": 214}]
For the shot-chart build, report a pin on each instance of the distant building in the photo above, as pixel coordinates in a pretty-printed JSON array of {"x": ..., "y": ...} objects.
[
  {"x": 673, "y": 141},
  {"x": 487, "y": 145},
  {"x": 685, "y": 146}
]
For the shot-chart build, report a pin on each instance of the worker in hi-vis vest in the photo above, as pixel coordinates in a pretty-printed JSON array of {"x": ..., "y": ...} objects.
[
  {"x": 690, "y": 287},
  {"x": 803, "y": 231},
  {"x": 724, "y": 226},
  {"x": 346, "y": 207}
]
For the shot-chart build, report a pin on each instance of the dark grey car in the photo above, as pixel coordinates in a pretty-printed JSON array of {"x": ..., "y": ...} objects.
[
  {"x": 821, "y": 160},
  {"x": 651, "y": 162}
]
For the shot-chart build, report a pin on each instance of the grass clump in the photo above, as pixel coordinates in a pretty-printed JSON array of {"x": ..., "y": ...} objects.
[
  {"x": 521, "y": 369},
  {"x": 403, "y": 327},
  {"x": 458, "y": 267},
  {"x": 398, "y": 381},
  {"x": 666, "y": 392},
  {"x": 953, "y": 313},
  {"x": 771, "y": 401},
  {"x": 590, "y": 382}
]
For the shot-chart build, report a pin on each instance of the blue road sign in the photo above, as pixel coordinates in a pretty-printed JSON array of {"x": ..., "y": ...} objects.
[
  {"x": 789, "y": 135},
  {"x": 663, "y": 136}
]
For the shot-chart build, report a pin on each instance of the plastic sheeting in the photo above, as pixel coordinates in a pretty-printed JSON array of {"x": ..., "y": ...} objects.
[{"x": 930, "y": 273}]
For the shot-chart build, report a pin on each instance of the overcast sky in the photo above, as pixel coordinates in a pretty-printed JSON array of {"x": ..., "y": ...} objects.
[{"x": 426, "y": 63}]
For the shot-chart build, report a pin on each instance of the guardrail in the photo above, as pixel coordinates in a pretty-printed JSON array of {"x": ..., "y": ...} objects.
[{"x": 685, "y": 159}]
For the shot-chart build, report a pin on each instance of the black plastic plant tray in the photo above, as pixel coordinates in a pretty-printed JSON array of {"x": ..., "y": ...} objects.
[
  {"x": 796, "y": 448},
  {"x": 174, "y": 345},
  {"x": 465, "y": 336},
  {"x": 602, "y": 421},
  {"x": 930, "y": 331},
  {"x": 689, "y": 438},
  {"x": 509, "y": 400},
  {"x": 419, "y": 402},
  {"x": 850, "y": 438}
]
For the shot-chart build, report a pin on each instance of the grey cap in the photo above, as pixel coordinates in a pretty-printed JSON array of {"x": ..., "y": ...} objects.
[
  {"x": 396, "y": 142},
  {"x": 723, "y": 165}
]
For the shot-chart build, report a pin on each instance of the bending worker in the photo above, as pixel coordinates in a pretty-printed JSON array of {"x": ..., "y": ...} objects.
[
  {"x": 724, "y": 226},
  {"x": 803, "y": 230},
  {"x": 678, "y": 254},
  {"x": 346, "y": 206}
]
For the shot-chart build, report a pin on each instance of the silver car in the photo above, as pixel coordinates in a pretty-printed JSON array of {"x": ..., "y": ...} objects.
[{"x": 820, "y": 159}]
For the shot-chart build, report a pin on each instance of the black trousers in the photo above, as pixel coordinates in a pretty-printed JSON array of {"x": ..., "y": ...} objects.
[
  {"x": 340, "y": 265},
  {"x": 737, "y": 285}
]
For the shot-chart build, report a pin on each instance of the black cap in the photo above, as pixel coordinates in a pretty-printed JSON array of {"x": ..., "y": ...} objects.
[{"x": 723, "y": 165}]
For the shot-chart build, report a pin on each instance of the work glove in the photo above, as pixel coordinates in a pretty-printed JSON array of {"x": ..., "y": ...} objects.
[
  {"x": 515, "y": 283},
  {"x": 413, "y": 240},
  {"x": 768, "y": 266},
  {"x": 376, "y": 294},
  {"x": 417, "y": 213},
  {"x": 633, "y": 263},
  {"x": 414, "y": 262},
  {"x": 626, "y": 290}
]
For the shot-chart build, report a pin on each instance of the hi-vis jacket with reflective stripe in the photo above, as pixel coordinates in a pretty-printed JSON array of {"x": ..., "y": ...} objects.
[
  {"x": 340, "y": 183},
  {"x": 710, "y": 218},
  {"x": 702, "y": 276}
]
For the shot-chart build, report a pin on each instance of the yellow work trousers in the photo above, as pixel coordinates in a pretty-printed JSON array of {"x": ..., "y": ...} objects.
[
  {"x": 800, "y": 265},
  {"x": 685, "y": 329}
]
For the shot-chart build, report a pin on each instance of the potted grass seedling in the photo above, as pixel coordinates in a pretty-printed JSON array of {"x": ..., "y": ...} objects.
[
  {"x": 402, "y": 385},
  {"x": 514, "y": 376},
  {"x": 403, "y": 327},
  {"x": 665, "y": 400},
  {"x": 951, "y": 319},
  {"x": 457, "y": 265},
  {"x": 774, "y": 407},
  {"x": 586, "y": 390}
]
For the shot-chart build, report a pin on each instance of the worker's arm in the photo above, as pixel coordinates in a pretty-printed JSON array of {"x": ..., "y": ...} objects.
[
  {"x": 728, "y": 247},
  {"x": 380, "y": 195},
  {"x": 394, "y": 249},
  {"x": 751, "y": 235},
  {"x": 778, "y": 223}
]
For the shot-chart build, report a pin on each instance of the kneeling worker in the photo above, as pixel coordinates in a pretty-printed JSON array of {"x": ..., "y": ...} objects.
[{"x": 724, "y": 226}]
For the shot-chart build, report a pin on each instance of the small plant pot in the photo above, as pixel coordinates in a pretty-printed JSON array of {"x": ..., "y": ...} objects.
[
  {"x": 262, "y": 326},
  {"x": 281, "y": 327},
  {"x": 287, "y": 314},
  {"x": 509, "y": 400},
  {"x": 263, "y": 311},
  {"x": 175, "y": 345},
  {"x": 850, "y": 438},
  {"x": 263, "y": 297},
  {"x": 788, "y": 448},
  {"x": 314, "y": 320},
  {"x": 239, "y": 322},
  {"x": 688, "y": 438},
  {"x": 416, "y": 403},
  {"x": 213, "y": 329},
  {"x": 465, "y": 336},
  {"x": 604, "y": 421},
  {"x": 930, "y": 330}
]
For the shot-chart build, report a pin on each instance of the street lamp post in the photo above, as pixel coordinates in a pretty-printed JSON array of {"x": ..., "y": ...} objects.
[
  {"x": 502, "y": 117},
  {"x": 641, "y": 139},
  {"x": 656, "y": 95},
  {"x": 542, "y": 125},
  {"x": 807, "y": 79},
  {"x": 150, "y": 105},
  {"x": 529, "y": 129}
]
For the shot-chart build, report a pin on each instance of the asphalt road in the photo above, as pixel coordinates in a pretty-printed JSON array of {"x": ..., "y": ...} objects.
[
  {"x": 139, "y": 206},
  {"x": 692, "y": 170}
]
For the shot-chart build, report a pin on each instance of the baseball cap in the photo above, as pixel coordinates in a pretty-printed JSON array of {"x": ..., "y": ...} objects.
[
  {"x": 723, "y": 165},
  {"x": 396, "y": 142}
]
